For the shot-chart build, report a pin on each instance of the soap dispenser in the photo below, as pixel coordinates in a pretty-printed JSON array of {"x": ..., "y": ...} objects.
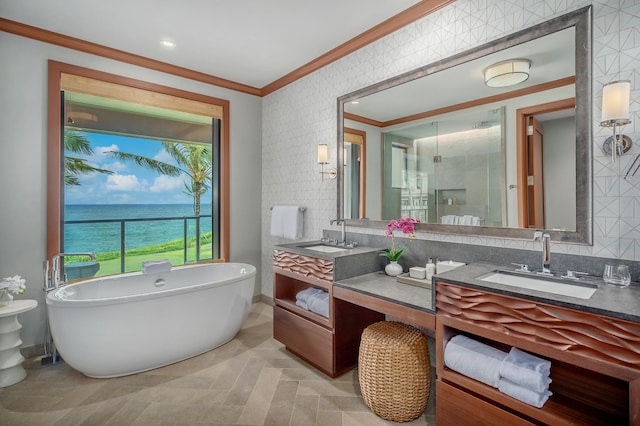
[{"x": 430, "y": 269}]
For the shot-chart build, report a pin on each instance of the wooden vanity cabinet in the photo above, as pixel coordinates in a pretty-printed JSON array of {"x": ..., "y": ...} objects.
[
  {"x": 329, "y": 344},
  {"x": 595, "y": 361}
]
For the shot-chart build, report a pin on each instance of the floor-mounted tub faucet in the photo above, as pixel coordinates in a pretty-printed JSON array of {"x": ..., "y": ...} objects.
[
  {"x": 54, "y": 277},
  {"x": 545, "y": 237}
]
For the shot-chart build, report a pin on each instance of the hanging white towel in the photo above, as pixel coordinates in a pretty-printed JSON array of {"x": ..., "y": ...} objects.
[
  {"x": 293, "y": 224},
  {"x": 466, "y": 220},
  {"x": 287, "y": 222},
  {"x": 277, "y": 220}
]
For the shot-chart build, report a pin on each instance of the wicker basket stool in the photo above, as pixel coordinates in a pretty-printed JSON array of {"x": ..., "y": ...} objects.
[{"x": 394, "y": 370}]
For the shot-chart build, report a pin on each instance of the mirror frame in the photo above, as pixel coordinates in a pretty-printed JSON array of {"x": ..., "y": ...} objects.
[{"x": 580, "y": 19}]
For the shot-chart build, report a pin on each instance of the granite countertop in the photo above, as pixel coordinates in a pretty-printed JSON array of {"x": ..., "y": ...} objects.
[
  {"x": 382, "y": 286},
  {"x": 608, "y": 300},
  {"x": 301, "y": 247}
]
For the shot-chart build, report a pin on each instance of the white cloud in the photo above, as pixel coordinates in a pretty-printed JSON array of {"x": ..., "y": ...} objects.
[
  {"x": 166, "y": 183},
  {"x": 164, "y": 156},
  {"x": 116, "y": 166},
  {"x": 118, "y": 182},
  {"x": 102, "y": 149},
  {"x": 99, "y": 155}
]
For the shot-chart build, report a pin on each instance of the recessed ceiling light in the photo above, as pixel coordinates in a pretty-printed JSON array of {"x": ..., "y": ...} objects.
[
  {"x": 355, "y": 102},
  {"x": 168, "y": 43}
]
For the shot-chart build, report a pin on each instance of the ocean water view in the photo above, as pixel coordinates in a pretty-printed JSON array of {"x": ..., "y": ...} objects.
[{"x": 105, "y": 237}]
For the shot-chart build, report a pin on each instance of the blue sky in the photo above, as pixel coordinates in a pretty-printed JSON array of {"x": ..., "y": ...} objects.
[{"x": 130, "y": 183}]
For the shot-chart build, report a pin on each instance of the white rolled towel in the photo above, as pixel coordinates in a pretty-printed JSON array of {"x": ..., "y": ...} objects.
[
  {"x": 526, "y": 370},
  {"x": 156, "y": 266},
  {"x": 474, "y": 359},
  {"x": 526, "y": 395}
]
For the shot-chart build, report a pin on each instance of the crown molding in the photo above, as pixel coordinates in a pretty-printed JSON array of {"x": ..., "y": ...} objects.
[{"x": 415, "y": 12}]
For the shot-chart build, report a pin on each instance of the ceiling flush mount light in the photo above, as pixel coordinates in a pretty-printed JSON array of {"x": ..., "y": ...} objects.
[
  {"x": 507, "y": 73},
  {"x": 615, "y": 112},
  {"x": 323, "y": 158},
  {"x": 167, "y": 43}
]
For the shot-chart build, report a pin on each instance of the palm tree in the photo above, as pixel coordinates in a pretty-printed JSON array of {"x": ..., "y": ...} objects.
[
  {"x": 76, "y": 142},
  {"x": 193, "y": 160}
]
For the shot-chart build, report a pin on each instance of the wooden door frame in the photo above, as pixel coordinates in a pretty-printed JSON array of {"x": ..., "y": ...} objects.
[
  {"x": 361, "y": 135},
  {"x": 522, "y": 152}
]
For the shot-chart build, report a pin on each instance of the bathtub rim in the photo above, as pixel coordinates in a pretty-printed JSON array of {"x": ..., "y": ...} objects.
[{"x": 53, "y": 298}]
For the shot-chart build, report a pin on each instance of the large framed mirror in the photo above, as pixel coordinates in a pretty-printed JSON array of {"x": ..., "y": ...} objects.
[{"x": 471, "y": 157}]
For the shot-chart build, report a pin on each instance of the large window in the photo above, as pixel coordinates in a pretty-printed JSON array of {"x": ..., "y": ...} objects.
[{"x": 137, "y": 172}]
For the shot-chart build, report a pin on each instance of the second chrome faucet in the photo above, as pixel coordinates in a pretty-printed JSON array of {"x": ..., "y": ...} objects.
[
  {"x": 545, "y": 237},
  {"x": 343, "y": 230}
]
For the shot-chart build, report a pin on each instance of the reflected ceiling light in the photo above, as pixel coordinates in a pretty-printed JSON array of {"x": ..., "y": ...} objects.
[
  {"x": 168, "y": 43},
  {"x": 507, "y": 73}
]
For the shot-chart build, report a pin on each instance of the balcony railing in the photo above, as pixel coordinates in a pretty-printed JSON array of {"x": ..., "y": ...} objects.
[{"x": 123, "y": 223}]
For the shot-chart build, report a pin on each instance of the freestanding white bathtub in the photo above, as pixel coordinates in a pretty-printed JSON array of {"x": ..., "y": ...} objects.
[{"x": 125, "y": 324}]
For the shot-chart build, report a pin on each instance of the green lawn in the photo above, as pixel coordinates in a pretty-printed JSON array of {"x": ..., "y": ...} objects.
[{"x": 172, "y": 250}]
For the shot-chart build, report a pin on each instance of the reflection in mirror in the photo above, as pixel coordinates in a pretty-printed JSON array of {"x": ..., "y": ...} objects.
[
  {"x": 355, "y": 142},
  {"x": 448, "y": 171},
  {"x": 533, "y": 168}
]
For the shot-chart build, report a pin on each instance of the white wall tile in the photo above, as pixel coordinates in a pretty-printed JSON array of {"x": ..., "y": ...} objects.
[{"x": 299, "y": 116}]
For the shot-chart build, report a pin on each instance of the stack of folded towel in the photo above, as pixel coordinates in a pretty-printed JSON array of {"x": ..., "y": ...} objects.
[
  {"x": 525, "y": 377},
  {"x": 314, "y": 300},
  {"x": 518, "y": 374}
]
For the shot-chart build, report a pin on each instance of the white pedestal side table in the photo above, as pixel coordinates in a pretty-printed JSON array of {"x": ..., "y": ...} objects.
[{"x": 11, "y": 371}]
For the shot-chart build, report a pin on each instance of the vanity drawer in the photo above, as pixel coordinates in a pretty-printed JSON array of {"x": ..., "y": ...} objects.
[
  {"x": 457, "y": 407},
  {"x": 308, "y": 340}
]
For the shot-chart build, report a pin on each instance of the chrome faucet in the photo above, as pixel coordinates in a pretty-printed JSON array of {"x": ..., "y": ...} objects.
[
  {"x": 343, "y": 230},
  {"x": 545, "y": 237},
  {"x": 54, "y": 278}
]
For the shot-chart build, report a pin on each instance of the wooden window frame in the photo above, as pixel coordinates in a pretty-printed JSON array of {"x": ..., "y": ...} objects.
[{"x": 55, "y": 173}]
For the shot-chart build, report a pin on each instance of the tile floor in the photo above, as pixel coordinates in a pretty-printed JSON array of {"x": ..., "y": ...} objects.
[{"x": 251, "y": 380}]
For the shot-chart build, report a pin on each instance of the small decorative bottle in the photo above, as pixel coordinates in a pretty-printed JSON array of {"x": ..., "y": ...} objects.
[{"x": 430, "y": 269}]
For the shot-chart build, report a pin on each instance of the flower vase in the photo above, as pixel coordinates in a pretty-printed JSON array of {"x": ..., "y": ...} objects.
[
  {"x": 5, "y": 298},
  {"x": 393, "y": 268}
]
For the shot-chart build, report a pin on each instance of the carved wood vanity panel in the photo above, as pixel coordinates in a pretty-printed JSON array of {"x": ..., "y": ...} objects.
[
  {"x": 306, "y": 266},
  {"x": 606, "y": 339}
]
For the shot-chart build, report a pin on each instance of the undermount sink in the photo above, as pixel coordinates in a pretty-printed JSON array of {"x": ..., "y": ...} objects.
[
  {"x": 325, "y": 249},
  {"x": 535, "y": 282}
]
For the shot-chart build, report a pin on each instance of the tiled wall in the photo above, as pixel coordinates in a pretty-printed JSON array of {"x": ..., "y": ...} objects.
[{"x": 303, "y": 114}]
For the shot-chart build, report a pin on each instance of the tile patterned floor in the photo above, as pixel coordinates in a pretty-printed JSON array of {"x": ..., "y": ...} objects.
[{"x": 251, "y": 380}]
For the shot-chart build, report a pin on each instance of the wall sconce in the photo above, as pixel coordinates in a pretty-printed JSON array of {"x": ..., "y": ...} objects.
[
  {"x": 615, "y": 112},
  {"x": 323, "y": 158},
  {"x": 507, "y": 73}
]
